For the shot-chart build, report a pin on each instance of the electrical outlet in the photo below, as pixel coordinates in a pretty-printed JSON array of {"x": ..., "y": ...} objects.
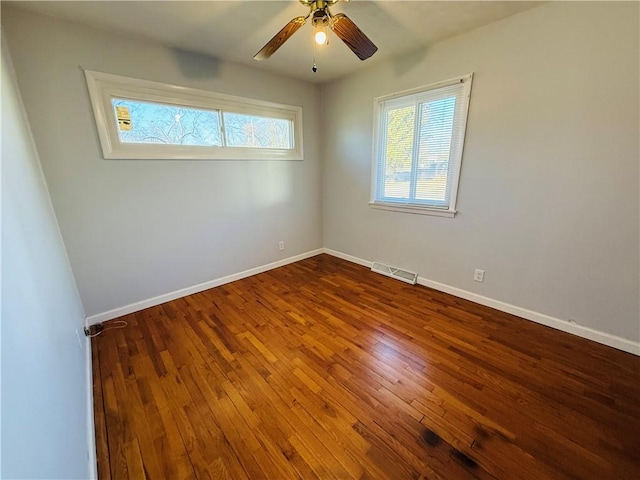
[
  {"x": 280, "y": 245},
  {"x": 78, "y": 337},
  {"x": 478, "y": 275}
]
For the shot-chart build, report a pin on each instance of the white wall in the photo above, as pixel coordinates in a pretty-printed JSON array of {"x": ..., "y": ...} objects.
[
  {"x": 44, "y": 384},
  {"x": 135, "y": 229},
  {"x": 549, "y": 190}
]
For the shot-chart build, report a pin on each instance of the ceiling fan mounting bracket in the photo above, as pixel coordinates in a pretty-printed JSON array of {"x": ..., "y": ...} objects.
[{"x": 316, "y": 4}]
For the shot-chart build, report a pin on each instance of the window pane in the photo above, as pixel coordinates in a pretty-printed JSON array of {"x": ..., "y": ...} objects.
[
  {"x": 155, "y": 123},
  {"x": 253, "y": 131},
  {"x": 434, "y": 148},
  {"x": 399, "y": 152}
]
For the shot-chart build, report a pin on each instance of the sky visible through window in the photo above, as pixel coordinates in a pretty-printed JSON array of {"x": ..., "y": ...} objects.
[
  {"x": 154, "y": 123},
  {"x": 167, "y": 124},
  {"x": 252, "y": 131}
]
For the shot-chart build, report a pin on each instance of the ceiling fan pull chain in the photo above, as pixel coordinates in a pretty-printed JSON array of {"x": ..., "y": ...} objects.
[{"x": 314, "y": 69}]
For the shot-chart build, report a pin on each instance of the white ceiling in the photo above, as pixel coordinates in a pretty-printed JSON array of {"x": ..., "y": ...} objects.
[{"x": 236, "y": 30}]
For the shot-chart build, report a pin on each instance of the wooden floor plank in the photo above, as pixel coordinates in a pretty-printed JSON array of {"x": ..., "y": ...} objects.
[{"x": 323, "y": 369}]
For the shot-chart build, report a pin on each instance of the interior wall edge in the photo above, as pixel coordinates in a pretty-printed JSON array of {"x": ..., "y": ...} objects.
[
  {"x": 42, "y": 375},
  {"x": 92, "y": 457},
  {"x": 604, "y": 338}
]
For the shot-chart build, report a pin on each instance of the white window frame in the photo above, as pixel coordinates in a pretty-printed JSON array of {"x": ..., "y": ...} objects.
[
  {"x": 455, "y": 161},
  {"x": 103, "y": 87}
]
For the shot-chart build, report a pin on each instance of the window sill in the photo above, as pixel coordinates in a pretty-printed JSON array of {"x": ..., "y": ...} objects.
[
  {"x": 178, "y": 152},
  {"x": 415, "y": 209}
]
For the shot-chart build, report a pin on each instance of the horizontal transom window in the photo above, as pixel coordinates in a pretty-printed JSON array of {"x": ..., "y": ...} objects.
[
  {"x": 139, "y": 119},
  {"x": 418, "y": 148}
]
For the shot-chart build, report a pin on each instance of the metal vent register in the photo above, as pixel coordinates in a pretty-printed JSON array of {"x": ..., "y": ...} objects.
[{"x": 395, "y": 272}]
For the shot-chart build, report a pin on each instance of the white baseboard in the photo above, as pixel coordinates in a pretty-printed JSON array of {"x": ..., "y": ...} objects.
[
  {"x": 575, "y": 329},
  {"x": 349, "y": 258},
  {"x": 553, "y": 322},
  {"x": 167, "y": 297},
  {"x": 91, "y": 429}
]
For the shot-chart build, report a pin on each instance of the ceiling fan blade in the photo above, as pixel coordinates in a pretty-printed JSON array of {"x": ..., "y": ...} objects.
[
  {"x": 282, "y": 36},
  {"x": 350, "y": 34}
]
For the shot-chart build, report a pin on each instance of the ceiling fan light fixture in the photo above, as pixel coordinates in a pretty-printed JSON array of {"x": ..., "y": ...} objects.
[{"x": 320, "y": 36}]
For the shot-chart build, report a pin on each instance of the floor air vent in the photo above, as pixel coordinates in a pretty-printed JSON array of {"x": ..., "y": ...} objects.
[{"x": 395, "y": 272}]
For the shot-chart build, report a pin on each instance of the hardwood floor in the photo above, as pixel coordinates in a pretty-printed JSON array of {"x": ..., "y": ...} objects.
[{"x": 323, "y": 369}]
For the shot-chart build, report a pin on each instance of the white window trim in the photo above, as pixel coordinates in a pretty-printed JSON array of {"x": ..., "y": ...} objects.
[
  {"x": 104, "y": 86},
  {"x": 413, "y": 208},
  {"x": 407, "y": 207}
]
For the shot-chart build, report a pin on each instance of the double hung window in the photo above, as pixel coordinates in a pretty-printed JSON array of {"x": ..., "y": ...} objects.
[{"x": 418, "y": 148}]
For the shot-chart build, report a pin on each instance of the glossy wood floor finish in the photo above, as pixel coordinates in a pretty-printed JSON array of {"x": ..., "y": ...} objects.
[{"x": 323, "y": 369}]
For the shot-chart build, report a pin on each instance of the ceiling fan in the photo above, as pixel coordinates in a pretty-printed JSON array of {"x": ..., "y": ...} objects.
[{"x": 321, "y": 18}]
